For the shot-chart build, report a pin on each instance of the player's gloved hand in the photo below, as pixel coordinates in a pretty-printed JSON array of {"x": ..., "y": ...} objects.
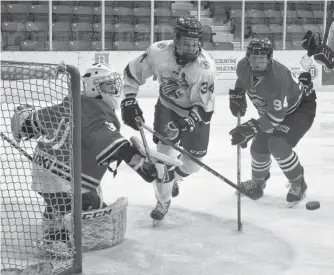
[
  {"x": 130, "y": 110},
  {"x": 238, "y": 102},
  {"x": 177, "y": 129},
  {"x": 305, "y": 80},
  {"x": 245, "y": 132},
  {"x": 324, "y": 56},
  {"x": 310, "y": 42},
  {"x": 18, "y": 122}
]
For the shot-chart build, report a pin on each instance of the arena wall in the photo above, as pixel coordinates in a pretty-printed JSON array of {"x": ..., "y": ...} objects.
[{"x": 226, "y": 62}]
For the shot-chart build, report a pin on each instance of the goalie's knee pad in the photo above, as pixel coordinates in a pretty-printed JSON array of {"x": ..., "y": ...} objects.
[{"x": 104, "y": 227}]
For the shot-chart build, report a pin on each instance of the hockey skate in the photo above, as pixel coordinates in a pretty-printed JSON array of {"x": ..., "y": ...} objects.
[
  {"x": 296, "y": 193},
  {"x": 175, "y": 190},
  {"x": 159, "y": 212},
  {"x": 254, "y": 188}
]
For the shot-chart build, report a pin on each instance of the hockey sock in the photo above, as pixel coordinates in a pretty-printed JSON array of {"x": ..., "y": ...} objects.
[
  {"x": 286, "y": 158},
  {"x": 260, "y": 166}
]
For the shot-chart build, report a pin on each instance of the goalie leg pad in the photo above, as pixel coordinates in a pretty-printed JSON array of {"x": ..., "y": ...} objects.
[{"x": 102, "y": 228}]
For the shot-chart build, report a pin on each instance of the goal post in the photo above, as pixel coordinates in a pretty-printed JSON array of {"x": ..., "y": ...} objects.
[{"x": 40, "y": 85}]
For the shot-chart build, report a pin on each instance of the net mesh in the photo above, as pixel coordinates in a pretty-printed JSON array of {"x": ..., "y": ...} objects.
[{"x": 31, "y": 224}]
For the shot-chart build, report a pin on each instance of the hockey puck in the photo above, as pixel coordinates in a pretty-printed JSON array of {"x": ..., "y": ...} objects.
[{"x": 312, "y": 205}]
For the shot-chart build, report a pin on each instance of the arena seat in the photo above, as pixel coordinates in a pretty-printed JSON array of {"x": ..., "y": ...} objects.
[
  {"x": 81, "y": 31},
  {"x": 123, "y": 15},
  {"x": 31, "y": 45},
  {"x": 141, "y": 15},
  {"x": 224, "y": 46},
  {"x": 79, "y": 45},
  {"x": 59, "y": 45},
  {"x": 62, "y": 13},
  {"x": 162, "y": 15},
  {"x": 97, "y": 45},
  {"x": 18, "y": 12},
  {"x": 82, "y": 14},
  {"x": 61, "y": 30},
  {"x": 39, "y": 12},
  {"x": 142, "y": 32},
  {"x": 273, "y": 17},
  {"x": 124, "y": 32},
  {"x": 163, "y": 32},
  {"x": 255, "y": 16},
  {"x": 123, "y": 46},
  {"x": 141, "y": 45}
]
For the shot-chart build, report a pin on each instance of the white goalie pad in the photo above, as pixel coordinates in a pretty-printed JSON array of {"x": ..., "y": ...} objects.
[
  {"x": 102, "y": 228},
  {"x": 155, "y": 155}
]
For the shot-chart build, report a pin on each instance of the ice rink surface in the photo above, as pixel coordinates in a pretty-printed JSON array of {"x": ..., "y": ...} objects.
[{"x": 199, "y": 234}]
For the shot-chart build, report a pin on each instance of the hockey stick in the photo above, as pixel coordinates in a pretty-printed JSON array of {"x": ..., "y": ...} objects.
[
  {"x": 140, "y": 125},
  {"x": 328, "y": 22},
  {"x": 239, "y": 179},
  {"x": 198, "y": 162},
  {"x": 17, "y": 147}
]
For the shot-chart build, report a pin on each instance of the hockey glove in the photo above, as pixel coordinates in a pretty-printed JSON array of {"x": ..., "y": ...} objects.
[
  {"x": 130, "y": 110},
  {"x": 177, "y": 129},
  {"x": 324, "y": 56},
  {"x": 245, "y": 132},
  {"x": 310, "y": 42},
  {"x": 238, "y": 102},
  {"x": 305, "y": 81}
]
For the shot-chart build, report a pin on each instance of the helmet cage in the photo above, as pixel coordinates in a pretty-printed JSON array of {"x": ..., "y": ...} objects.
[
  {"x": 259, "y": 47},
  {"x": 191, "y": 29}
]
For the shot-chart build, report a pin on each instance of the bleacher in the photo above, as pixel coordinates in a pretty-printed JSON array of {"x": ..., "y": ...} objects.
[{"x": 76, "y": 25}]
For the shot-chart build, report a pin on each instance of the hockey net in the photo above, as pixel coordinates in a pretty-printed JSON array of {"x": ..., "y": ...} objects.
[{"x": 39, "y": 85}]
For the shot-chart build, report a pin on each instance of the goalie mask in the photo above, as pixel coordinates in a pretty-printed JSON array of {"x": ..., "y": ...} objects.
[
  {"x": 101, "y": 81},
  {"x": 187, "y": 39},
  {"x": 259, "y": 55}
]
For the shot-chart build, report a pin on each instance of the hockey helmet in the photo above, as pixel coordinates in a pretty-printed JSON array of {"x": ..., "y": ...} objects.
[
  {"x": 188, "y": 33},
  {"x": 101, "y": 81},
  {"x": 260, "y": 55}
]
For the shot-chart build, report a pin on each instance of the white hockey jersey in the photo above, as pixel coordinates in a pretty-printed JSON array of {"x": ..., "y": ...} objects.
[
  {"x": 181, "y": 87},
  {"x": 330, "y": 40}
]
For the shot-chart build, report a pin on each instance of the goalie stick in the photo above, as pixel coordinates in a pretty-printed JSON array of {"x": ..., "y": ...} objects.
[{"x": 198, "y": 162}]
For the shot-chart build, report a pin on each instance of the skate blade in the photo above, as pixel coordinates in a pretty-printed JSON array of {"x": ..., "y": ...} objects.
[
  {"x": 157, "y": 223},
  {"x": 292, "y": 204}
]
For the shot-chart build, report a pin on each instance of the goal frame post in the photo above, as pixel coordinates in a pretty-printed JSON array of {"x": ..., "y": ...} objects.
[{"x": 75, "y": 93}]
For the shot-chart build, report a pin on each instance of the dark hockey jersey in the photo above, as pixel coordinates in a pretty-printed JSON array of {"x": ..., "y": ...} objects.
[
  {"x": 274, "y": 95},
  {"x": 100, "y": 140}
]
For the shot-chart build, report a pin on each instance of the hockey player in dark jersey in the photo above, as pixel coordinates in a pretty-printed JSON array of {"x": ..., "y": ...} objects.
[
  {"x": 186, "y": 74},
  {"x": 287, "y": 108},
  {"x": 101, "y": 144}
]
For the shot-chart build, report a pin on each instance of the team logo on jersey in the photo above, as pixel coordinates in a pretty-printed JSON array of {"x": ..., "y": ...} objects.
[
  {"x": 161, "y": 45},
  {"x": 111, "y": 126},
  {"x": 258, "y": 102},
  {"x": 174, "y": 87},
  {"x": 205, "y": 64}
]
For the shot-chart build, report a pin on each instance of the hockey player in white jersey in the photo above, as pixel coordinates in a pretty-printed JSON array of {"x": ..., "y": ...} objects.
[
  {"x": 323, "y": 54},
  {"x": 101, "y": 144},
  {"x": 186, "y": 74}
]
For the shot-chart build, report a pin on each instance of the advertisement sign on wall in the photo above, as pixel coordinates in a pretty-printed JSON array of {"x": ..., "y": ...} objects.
[{"x": 226, "y": 64}]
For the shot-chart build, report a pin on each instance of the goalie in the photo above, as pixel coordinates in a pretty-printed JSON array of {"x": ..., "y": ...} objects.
[{"x": 101, "y": 144}]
